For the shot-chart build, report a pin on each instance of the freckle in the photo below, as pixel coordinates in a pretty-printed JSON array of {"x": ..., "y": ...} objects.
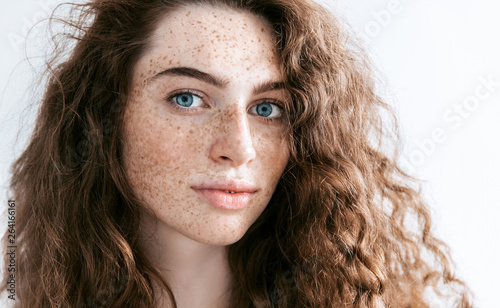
[{"x": 189, "y": 13}]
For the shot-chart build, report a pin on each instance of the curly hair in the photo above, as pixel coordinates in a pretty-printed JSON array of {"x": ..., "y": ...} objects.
[{"x": 344, "y": 228}]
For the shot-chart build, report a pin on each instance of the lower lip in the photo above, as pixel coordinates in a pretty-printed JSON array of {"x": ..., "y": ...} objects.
[{"x": 224, "y": 200}]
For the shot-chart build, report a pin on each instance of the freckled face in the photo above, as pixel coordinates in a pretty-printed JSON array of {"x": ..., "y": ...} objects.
[{"x": 205, "y": 112}]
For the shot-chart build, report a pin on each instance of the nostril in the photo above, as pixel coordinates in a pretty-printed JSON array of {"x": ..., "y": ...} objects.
[{"x": 224, "y": 157}]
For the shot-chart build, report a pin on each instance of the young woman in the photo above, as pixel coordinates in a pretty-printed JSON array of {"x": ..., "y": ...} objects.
[{"x": 218, "y": 153}]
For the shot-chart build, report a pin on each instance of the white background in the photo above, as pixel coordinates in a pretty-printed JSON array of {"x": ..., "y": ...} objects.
[{"x": 434, "y": 55}]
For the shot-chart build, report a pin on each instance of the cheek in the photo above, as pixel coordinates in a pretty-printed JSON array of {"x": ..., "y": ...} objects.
[
  {"x": 158, "y": 152},
  {"x": 273, "y": 152}
]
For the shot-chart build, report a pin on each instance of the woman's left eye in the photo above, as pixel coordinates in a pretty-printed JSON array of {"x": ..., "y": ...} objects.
[
  {"x": 266, "y": 110},
  {"x": 187, "y": 100}
]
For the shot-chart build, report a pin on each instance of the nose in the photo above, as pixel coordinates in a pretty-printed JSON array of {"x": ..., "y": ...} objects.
[{"x": 233, "y": 141}]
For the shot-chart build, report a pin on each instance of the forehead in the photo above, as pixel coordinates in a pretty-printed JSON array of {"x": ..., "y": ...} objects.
[{"x": 214, "y": 37}]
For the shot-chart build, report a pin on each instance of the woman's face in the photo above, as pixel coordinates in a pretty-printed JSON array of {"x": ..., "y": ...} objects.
[{"x": 203, "y": 136}]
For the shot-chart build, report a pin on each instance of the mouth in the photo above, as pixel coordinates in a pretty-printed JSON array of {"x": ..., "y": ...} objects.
[{"x": 229, "y": 195}]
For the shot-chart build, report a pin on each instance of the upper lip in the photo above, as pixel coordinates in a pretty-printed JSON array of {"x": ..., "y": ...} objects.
[{"x": 237, "y": 186}]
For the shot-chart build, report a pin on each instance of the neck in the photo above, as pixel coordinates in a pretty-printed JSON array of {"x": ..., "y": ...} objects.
[{"x": 198, "y": 274}]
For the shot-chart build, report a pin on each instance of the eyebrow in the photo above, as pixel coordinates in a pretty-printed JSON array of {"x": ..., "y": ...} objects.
[
  {"x": 193, "y": 73},
  {"x": 217, "y": 81},
  {"x": 268, "y": 86}
]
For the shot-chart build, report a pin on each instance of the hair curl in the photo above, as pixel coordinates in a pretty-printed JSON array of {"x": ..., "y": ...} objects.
[{"x": 344, "y": 228}]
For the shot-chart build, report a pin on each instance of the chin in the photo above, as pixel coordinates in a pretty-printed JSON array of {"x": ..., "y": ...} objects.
[
  {"x": 220, "y": 242},
  {"x": 221, "y": 237}
]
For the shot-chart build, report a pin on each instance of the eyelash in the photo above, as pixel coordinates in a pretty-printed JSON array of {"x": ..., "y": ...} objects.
[
  {"x": 276, "y": 103},
  {"x": 170, "y": 100}
]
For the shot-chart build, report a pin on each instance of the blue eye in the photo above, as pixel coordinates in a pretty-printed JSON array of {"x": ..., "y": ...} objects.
[
  {"x": 187, "y": 100},
  {"x": 266, "y": 110}
]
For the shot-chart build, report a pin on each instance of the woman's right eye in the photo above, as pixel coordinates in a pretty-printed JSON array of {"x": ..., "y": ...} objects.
[{"x": 187, "y": 100}]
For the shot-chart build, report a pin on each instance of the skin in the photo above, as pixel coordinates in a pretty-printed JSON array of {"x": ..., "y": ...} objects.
[{"x": 168, "y": 149}]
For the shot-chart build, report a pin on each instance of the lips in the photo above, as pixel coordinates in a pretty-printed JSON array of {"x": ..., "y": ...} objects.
[{"x": 227, "y": 194}]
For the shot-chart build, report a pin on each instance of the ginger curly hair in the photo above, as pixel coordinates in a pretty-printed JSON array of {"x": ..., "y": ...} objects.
[{"x": 345, "y": 227}]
